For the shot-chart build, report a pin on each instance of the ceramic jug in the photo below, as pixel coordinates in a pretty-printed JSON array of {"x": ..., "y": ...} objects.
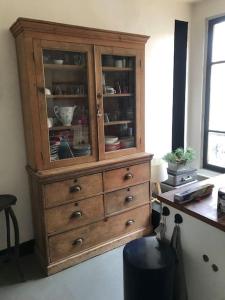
[{"x": 65, "y": 114}]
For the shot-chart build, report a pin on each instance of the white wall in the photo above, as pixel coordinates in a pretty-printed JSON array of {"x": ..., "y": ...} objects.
[
  {"x": 200, "y": 13},
  {"x": 150, "y": 17}
]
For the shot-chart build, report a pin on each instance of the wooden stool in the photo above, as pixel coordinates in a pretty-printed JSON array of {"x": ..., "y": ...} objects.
[{"x": 6, "y": 201}]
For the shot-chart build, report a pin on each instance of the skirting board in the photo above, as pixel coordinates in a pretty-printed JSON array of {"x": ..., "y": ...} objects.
[{"x": 26, "y": 248}]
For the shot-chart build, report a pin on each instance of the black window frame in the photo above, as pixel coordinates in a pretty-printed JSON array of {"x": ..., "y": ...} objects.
[{"x": 209, "y": 64}]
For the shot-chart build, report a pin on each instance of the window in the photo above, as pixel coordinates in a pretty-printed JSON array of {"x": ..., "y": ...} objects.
[{"x": 214, "y": 133}]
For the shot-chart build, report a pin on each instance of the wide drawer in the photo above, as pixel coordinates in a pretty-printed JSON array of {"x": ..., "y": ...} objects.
[
  {"x": 72, "y": 189},
  {"x": 77, "y": 240},
  {"x": 125, "y": 177},
  {"x": 126, "y": 198},
  {"x": 74, "y": 215}
]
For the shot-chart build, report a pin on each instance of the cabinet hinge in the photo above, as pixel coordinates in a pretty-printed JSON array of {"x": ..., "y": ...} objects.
[{"x": 42, "y": 157}]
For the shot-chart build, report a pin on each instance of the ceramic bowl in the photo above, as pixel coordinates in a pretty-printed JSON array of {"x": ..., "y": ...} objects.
[
  {"x": 58, "y": 61},
  {"x": 111, "y": 139}
]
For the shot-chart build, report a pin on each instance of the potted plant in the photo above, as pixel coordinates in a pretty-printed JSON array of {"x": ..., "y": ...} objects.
[{"x": 179, "y": 159}]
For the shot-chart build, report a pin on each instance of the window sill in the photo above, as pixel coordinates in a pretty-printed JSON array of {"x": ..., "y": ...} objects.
[{"x": 205, "y": 174}]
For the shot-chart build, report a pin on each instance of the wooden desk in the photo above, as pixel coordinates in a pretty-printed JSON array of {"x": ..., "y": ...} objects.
[{"x": 205, "y": 209}]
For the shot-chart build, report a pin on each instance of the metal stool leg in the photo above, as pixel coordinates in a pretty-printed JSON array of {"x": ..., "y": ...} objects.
[
  {"x": 8, "y": 233},
  {"x": 16, "y": 231}
]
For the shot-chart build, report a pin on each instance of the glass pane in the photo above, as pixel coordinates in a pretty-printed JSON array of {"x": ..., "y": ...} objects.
[
  {"x": 118, "y": 81},
  {"x": 217, "y": 98},
  {"x": 216, "y": 149},
  {"x": 218, "y": 49},
  {"x": 67, "y": 103}
]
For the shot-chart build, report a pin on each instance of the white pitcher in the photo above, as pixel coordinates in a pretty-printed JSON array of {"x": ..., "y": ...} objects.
[{"x": 65, "y": 114}]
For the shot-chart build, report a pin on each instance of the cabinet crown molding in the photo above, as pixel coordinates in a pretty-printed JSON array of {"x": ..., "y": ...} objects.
[{"x": 33, "y": 25}]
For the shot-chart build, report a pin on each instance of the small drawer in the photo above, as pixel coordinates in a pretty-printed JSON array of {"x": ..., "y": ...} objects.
[
  {"x": 126, "y": 198},
  {"x": 125, "y": 177},
  {"x": 74, "y": 215},
  {"x": 75, "y": 241},
  {"x": 129, "y": 221},
  {"x": 72, "y": 189}
]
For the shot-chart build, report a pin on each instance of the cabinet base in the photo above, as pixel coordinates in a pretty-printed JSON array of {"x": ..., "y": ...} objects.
[{"x": 94, "y": 251}]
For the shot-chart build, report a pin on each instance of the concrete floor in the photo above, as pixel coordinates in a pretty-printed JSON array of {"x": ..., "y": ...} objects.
[{"x": 100, "y": 278}]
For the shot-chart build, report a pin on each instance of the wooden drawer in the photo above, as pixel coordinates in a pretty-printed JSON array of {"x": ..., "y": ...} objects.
[
  {"x": 74, "y": 215},
  {"x": 126, "y": 198},
  {"x": 77, "y": 240},
  {"x": 73, "y": 189},
  {"x": 125, "y": 177},
  {"x": 128, "y": 221}
]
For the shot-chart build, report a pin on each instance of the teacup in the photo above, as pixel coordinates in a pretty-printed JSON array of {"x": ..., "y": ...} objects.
[
  {"x": 47, "y": 91},
  {"x": 119, "y": 63},
  {"x": 65, "y": 114},
  {"x": 110, "y": 90}
]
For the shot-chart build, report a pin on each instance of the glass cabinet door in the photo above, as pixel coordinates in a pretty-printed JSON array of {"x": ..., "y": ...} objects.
[
  {"x": 119, "y": 95},
  {"x": 68, "y": 102}
]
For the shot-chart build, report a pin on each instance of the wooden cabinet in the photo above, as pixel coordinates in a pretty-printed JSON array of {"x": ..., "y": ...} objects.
[{"x": 83, "y": 107}]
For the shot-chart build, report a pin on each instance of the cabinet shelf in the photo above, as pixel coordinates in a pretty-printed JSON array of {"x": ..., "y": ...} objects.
[
  {"x": 117, "y": 95},
  {"x": 55, "y": 128},
  {"x": 65, "y": 96},
  {"x": 64, "y": 67},
  {"x": 112, "y": 123},
  {"x": 116, "y": 69}
]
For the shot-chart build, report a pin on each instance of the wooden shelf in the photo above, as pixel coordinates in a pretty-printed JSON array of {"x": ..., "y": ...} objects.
[
  {"x": 112, "y": 123},
  {"x": 65, "y": 96},
  {"x": 62, "y": 128},
  {"x": 117, "y": 95},
  {"x": 116, "y": 69},
  {"x": 64, "y": 67}
]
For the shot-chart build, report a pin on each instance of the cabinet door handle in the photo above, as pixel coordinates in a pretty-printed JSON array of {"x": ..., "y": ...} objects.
[
  {"x": 129, "y": 198},
  {"x": 130, "y": 222},
  {"x": 76, "y": 214},
  {"x": 99, "y": 95},
  {"x": 75, "y": 188},
  {"x": 78, "y": 242},
  {"x": 128, "y": 176}
]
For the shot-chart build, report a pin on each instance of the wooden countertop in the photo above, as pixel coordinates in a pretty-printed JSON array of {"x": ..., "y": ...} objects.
[{"x": 205, "y": 209}]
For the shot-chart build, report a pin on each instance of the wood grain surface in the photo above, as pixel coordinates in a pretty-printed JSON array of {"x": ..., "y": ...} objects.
[
  {"x": 73, "y": 215},
  {"x": 205, "y": 209},
  {"x": 126, "y": 198}
]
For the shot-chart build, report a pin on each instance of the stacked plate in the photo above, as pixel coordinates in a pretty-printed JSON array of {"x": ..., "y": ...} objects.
[
  {"x": 127, "y": 142},
  {"x": 112, "y": 143},
  {"x": 81, "y": 150},
  {"x": 54, "y": 148}
]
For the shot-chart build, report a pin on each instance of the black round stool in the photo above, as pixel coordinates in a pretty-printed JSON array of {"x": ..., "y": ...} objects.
[
  {"x": 149, "y": 266},
  {"x": 6, "y": 201}
]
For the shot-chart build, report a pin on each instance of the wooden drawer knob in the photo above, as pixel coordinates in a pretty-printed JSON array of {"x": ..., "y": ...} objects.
[
  {"x": 130, "y": 222},
  {"x": 76, "y": 214},
  {"x": 129, "y": 199},
  {"x": 78, "y": 242},
  {"x": 128, "y": 176},
  {"x": 75, "y": 189}
]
